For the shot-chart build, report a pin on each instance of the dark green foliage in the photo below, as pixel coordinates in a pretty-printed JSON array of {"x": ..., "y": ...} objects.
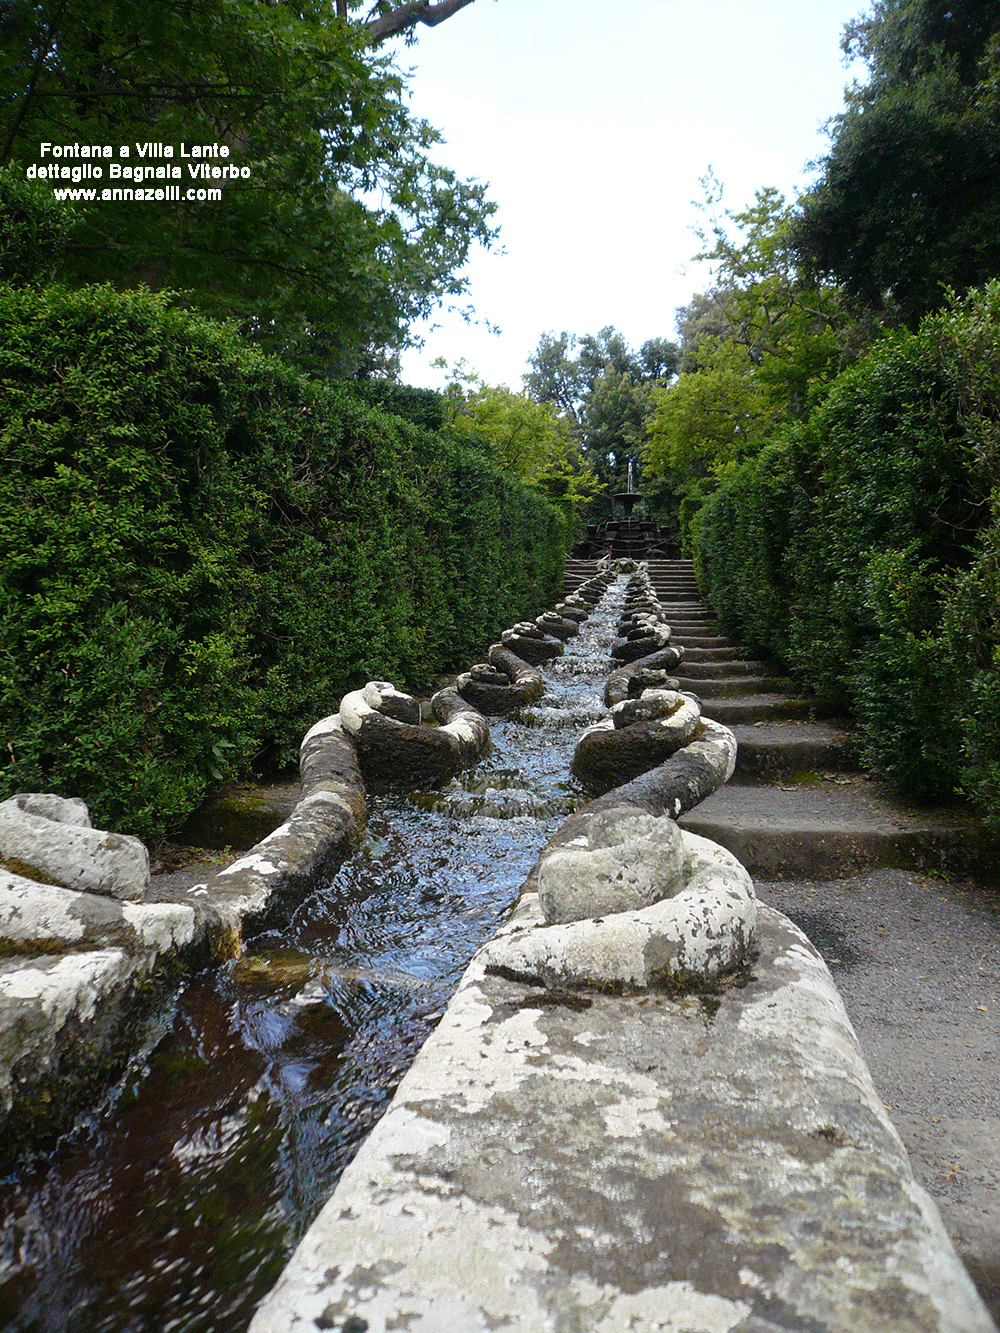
[
  {"x": 33, "y": 229},
  {"x": 201, "y": 550},
  {"x": 863, "y": 547},
  {"x": 424, "y": 407},
  {"x": 909, "y": 198},
  {"x": 741, "y": 535},
  {"x": 345, "y": 230}
]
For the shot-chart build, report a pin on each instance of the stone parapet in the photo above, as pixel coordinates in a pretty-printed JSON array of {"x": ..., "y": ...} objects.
[{"x": 554, "y": 1160}]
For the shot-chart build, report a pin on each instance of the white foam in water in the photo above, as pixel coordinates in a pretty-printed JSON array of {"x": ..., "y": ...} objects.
[{"x": 527, "y": 774}]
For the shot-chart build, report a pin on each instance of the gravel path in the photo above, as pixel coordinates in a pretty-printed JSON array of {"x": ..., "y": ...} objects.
[{"x": 917, "y": 961}]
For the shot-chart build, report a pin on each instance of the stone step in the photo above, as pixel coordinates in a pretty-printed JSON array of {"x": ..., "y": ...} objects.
[
  {"x": 776, "y": 750},
  {"x": 826, "y": 829},
  {"x": 763, "y": 707},
  {"x": 704, "y": 670},
  {"x": 239, "y": 816},
  {"x": 735, "y": 687},
  {"x": 701, "y": 640},
  {"x": 727, "y": 654}
]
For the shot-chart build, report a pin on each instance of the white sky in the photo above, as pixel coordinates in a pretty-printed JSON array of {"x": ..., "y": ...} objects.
[{"x": 593, "y": 121}]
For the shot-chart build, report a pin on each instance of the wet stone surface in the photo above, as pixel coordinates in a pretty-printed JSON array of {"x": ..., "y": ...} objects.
[{"x": 177, "y": 1208}]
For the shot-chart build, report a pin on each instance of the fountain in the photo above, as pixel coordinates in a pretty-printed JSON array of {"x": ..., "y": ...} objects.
[{"x": 622, "y": 534}]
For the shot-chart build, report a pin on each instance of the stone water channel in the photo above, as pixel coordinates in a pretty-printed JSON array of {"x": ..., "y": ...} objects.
[{"x": 176, "y": 1209}]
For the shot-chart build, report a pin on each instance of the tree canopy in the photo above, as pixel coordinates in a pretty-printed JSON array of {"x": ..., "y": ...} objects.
[
  {"x": 603, "y": 391},
  {"x": 343, "y": 231},
  {"x": 754, "y": 347},
  {"x": 909, "y": 197},
  {"x": 528, "y": 439}
]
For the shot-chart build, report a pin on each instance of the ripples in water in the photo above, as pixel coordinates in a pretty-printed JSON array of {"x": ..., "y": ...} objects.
[{"x": 176, "y": 1212}]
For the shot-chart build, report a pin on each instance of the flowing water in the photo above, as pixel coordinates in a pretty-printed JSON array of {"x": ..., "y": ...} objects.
[{"x": 178, "y": 1207}]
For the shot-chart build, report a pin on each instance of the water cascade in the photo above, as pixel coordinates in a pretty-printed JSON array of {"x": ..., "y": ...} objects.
[{"x": 177, "y": 1208}]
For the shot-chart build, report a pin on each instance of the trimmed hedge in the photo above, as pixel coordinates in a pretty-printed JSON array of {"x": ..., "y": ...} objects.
[
  {"x": 201, "y": 551},
  {"x": 863, "y": 549},
  {"x": 424, "y": 407},
  {"x": 33, "y": 229}
]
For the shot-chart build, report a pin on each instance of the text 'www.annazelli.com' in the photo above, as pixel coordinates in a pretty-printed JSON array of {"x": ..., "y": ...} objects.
[{"x": 138, "y": 195}]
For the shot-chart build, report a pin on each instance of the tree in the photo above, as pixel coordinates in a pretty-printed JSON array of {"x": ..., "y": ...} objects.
[
  {"x": 555, "y": 377},
  {"x": 33, "y": 230},
  {"x": 710, "y": 418},
  {"x": 340, "y": 232},
  {"x": 792, "y": 328},
  {"x": 757, "y": 348},
  {"x": 909, "y": 197},
  {"x": 604, "y": 391},
  {"x": 526, "y": 438},
  {"x": 705, "y": 316},
  {"x": 613, "y": 424},
  {"x": 658, "y": 359},
  {"x": 394, "y": 20}
]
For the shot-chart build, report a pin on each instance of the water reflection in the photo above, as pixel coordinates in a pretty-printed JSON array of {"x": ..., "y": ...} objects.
[{"x": 178, "y": 1210}]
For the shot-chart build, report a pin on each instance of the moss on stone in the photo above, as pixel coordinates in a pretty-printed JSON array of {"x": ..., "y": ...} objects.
[
  {"x": 238, "y": 818},
  {"x": 32, "y": 948},
  {"x": 26, "y": 870}
]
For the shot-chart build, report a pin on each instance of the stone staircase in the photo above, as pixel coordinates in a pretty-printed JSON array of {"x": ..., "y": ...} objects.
[{"x": 797, "y": 804}]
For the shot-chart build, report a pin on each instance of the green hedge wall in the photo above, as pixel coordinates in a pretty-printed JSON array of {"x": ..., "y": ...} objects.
[
  {"x": 863, "y": 549},
  {"x": 201, "y": 550},
  {"x": 33, "y": 229},
  {"x": 424, "y": 407}
]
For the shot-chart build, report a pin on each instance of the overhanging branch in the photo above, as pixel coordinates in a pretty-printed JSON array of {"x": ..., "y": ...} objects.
[{"x": 406, "y": 16}]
